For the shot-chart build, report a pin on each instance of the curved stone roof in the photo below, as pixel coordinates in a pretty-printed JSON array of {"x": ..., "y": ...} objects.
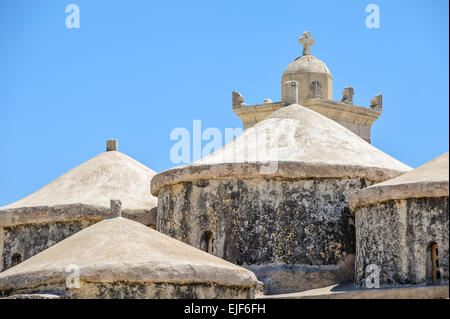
[
  {"x": 108, "y": 175},
  {"x": 306, "y": 64},
  {"x": 428, "y": 180},
  {"x": 293, "y": 142},
  {"x": 118, "y": 249}
]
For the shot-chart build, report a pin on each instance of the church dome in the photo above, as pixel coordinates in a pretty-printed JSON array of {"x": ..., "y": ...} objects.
[
  {"x": 306, "y": 64},
  {"x": 307, "y": 71},
  {"x": 292, "y": 142},
  {"x": 120, "y": 258},
  {"x": 107, "y": 175},
  {"x": 89, "y": 186}
]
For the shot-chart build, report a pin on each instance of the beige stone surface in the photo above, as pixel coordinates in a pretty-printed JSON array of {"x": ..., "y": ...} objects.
[
  {"x": 252, "y": 114},
  {"x": 348, "y": 292},
  {"x": 57, "y": 213},
  {"x": 121, "y": 250},
  {"x": 108, "y": 175},
  {"x": 90, "y": 185},
  {"x": 428, "y": 180},
  {"x": 293, "y": 142}
]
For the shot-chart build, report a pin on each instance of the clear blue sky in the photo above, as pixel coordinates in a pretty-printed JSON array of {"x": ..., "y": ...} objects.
[{"x": 135, "y": 70}]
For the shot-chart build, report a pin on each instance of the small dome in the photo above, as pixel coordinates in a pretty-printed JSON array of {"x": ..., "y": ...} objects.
[
  {"x": 309, "y": 72},
  {"x": 119, "y": 250},
  {"x": 306, "y": 64},
  {"x": 428, "y": 180},
  {"x": 107, "y": 175},
  {"x": 87, "y": 190}
]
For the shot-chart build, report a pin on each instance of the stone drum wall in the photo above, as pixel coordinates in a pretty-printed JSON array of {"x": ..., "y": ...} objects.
[
  {"x": 20, "y": 242},
  {"x": 294, "y": 234},
  {"x": 138, "y": 290},
  {"x": 397, "y": 236}
]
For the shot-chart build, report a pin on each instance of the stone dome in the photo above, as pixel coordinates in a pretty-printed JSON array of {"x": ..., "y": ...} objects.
[
  {"x": 308, "y": 71},
  {"x": 292, "y": 142},
  {"x": 117, "y": 253},
  {"x": 107, "y": 175},
  {"x": 89, "y": 186},
  {"x": 429, "y": 180},
  {"x": 306, "y": 64}
]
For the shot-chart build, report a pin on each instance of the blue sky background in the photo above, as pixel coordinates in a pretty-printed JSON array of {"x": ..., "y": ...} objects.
[{"x": 135, "y": 70}]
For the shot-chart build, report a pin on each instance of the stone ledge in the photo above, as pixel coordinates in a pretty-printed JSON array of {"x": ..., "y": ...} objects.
[
  {"x": 287, "y": 170},
  {"x": 335, "y": 110},
  {"x": 145, "y": 273},
  {"x": 348, "y": 292},
  {"x": 377, "y": 194},
  {"x": 45, "y": 214},
  {"x": 284, "y": 278}
]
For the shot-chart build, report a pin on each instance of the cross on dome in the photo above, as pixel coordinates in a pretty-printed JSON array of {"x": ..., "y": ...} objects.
[{"x": 307, "y": 42}]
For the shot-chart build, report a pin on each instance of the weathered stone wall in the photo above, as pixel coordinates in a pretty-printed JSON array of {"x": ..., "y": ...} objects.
[
  {"x": 29, "y": 239},
  {"x": 126, "y": 290},
  {"x": 266, "y": 224},
  {"x": 395, "y": 236}
]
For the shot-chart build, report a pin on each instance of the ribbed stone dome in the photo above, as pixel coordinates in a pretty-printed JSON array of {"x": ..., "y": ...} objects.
[
  {"x": 306, "y": 70},
  {"x": 305, "y": 65}
]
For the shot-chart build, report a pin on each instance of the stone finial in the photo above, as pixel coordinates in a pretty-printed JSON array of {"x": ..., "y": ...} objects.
[
  {"x": 112, "y": 145},
  {"x": 116, "y": 207},
  {"x": 238, "y": 99},
  {"x": 307, "y": 42},
  {"x": 347, "y": 95},
  {"x": 291, "y": 88},
  {"x": 315, "y": 89},
  {"x": 377, "y": 102}
]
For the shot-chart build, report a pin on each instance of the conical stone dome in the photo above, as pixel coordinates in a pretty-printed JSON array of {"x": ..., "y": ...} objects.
[
  {"x": 428, "y": 180},
  {"x": 120, "y": 258},
  {"x": 292, "y": 142},
  {"x": 93, "y": 184}
]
